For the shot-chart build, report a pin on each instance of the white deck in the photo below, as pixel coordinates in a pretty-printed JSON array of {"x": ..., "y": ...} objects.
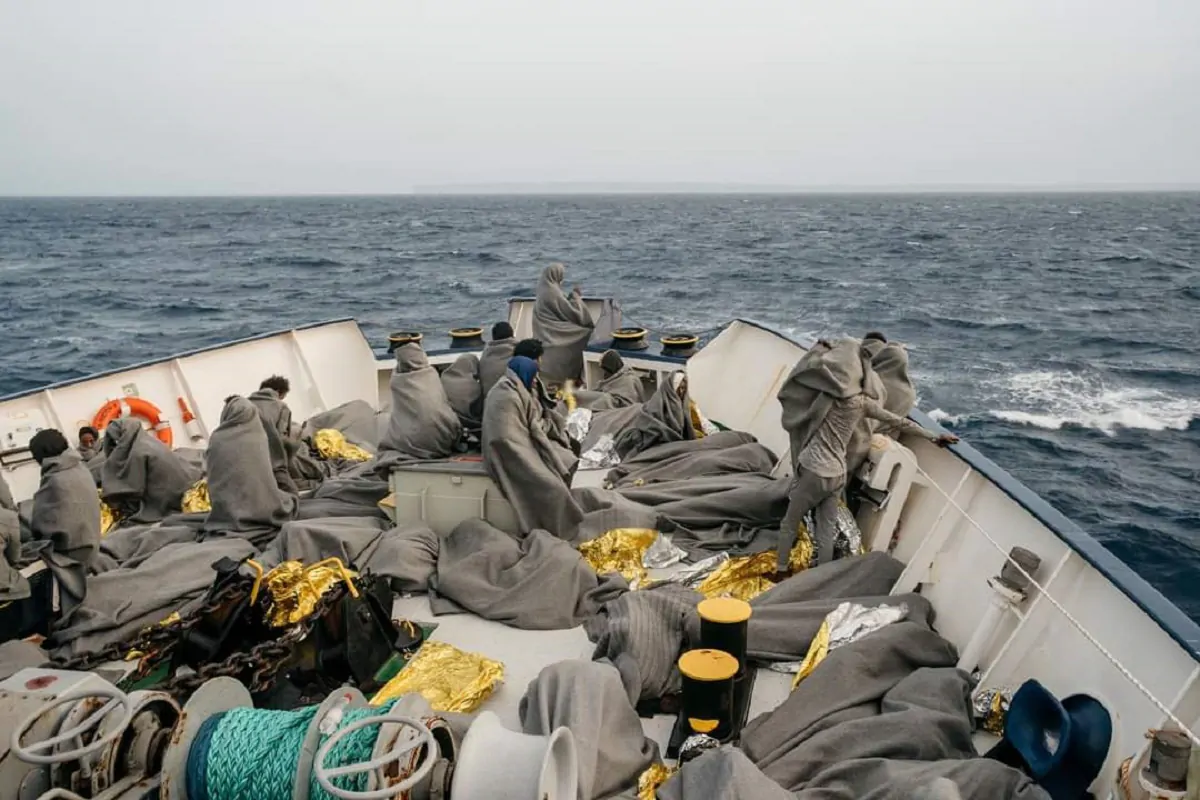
[{"x": 1149, "y": 646}]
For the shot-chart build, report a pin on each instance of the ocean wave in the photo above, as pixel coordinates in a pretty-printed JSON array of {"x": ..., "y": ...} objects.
[{"x": 1057, "y": 400}]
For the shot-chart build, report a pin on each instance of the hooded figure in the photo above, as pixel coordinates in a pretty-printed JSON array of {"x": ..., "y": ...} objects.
[
  {"x": 89, "y": 443},
  {"x": 66, "y": 514},
  {"x": 246, "y": 500},
  {"x": 620, "y": 387},
  {"x": 463, "y": 390},
  {"x": 563, "y": 325},
  {"x": 843, "y": 393},
  {"x": 139, "y": 475},
  {"x": 528, "y": 455},
  {"x": 13, "y": 585},
  {"x": 890, "y": 363},
  {"x": 422, "y": 425},
  {"x": 493, "y": 363},
  {"x": 276, "y": 420}
]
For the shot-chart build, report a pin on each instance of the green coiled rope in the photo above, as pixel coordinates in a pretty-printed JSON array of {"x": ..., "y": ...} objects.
[{"x": 252, "y": 754}]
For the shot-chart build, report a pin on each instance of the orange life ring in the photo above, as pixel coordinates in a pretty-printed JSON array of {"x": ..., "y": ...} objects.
[{"x": 142, "y": 409}]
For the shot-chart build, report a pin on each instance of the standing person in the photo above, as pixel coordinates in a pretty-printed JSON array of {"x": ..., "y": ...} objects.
[
  {"x": 493, "y": 363},
  {"x": 838, "y": 372},
  {"x": 563, "y": 324}
]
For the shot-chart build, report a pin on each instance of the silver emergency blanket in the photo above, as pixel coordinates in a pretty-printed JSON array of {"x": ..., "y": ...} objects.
[
  {"x": 123, "y": 601},
  {"x": 723, "y": 453},
  {"x": 245, "y": 499},
  {"x": 405, "y": 555},
  {"x": 881, "y": 718},
  {"x": 588, "y": 699},
  {"x": 422, "y": 425},
  {"x": 527, "y": 453},
  {"x": 493, "y": 363},
  {"x": 66, "y": 516},
  {"x": 850, "y": 622},
  {"x": 140, "y": 474},
  {"x": 464, "y": 392},
  {"x": 538, "y": 583},
  {"x": 563, "y": 324}
]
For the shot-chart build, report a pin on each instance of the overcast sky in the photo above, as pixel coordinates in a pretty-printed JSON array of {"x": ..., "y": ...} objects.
[{"x": 315, "y": 96}]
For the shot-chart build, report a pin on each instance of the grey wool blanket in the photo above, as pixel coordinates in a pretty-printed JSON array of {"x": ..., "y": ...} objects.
[
  {"x": 121, "y": 602},
  {"x": 289, "y": 454},
  {"x": 464, "y": 391},
  {"x": 890, "y": 363},
  {"x": 493, "y": 363},
  {"x": 620, "y": 386},
  {"x": 356, "y": 420},
  {"x": 881, "y": 718},
  {"x": 538, "y": 583},
  {"x": 723, "y": 453},
  {"x": 246, "y": 500},
  {"x": 66, "y": 516},
  {"x": 140, "y": 475},
  {"x": 822, "y": 375},
  {"x": 527, "y": 454},
  {"x": 588, "y": 699},
  {"x": 664, "y": 418},
  {"x": 406, "y": 555},
  {"x": 422, "y": 425},
  {"x": 563, "y": 324}
]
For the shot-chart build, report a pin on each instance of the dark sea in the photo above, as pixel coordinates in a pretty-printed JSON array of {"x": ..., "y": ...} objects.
[{"x": 1060, "y": 334}]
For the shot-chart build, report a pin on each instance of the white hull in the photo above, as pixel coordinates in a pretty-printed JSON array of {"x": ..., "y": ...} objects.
[{"x": 942, "y": 502}]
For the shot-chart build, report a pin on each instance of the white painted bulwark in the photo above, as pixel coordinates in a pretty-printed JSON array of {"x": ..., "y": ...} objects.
[{"x": 951, "y": 517}]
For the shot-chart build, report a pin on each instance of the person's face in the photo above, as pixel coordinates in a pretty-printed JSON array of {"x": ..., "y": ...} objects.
[{"x": 87, "y": 440}]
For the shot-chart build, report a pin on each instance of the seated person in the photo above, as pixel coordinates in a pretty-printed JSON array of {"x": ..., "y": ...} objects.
[
  {"x": 493, "y": 362},
  {"x": 89, "y": 443},
  {"x": 528, "y": 454},
  {"x": 620, "y": 386}
]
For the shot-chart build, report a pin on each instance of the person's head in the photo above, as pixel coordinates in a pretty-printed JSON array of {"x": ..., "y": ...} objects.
[
  {"x": 88, "y": 436},
  {"x": 875, "y": 336},
  {"x": 280, "y": 384},
  {"x": 525, "y": 368},
  {"x": 530, "y": 348},
  {"x": 501, "y": 330},
  {"x": 47, "y": 443},
  {"x": 611, "y": 362},
  {"x": 556, "y": 272}
]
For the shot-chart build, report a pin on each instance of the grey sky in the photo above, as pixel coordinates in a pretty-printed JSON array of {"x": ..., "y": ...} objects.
[{"x": 299, "y": 96}]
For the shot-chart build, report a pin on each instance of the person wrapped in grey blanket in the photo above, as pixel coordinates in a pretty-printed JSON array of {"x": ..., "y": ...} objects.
[
  {"x": 406, "y": 555},
  {"x": 885, "y": 717},
  {"x": 246, "y": 500},
  {"x": 356, "y": 420},
  {"x": 620, "y": 387},
  {"x": 847, "y": 392},
  {"x": 563, "y": 324},
  {"x": 464, "y": 391},
  {"x": 422, "y": 425},
  {"x": 139, "y": 475},
  {"x": 890, "y": 362},
  {"x": 122, "y": 602},
  {"x": 66, "y": 515},
  {"x": 664, "y": 418},
  {"x": 587, "y": 698},
  {"x": 13, "y": 585},
  {"x": 294, "y": 466},
  {"x": 528, "y": 454},
  {"x": 493, "y": 362},
  {"x": 539, "y": 583},
  {"x": 722, "y": 453}
]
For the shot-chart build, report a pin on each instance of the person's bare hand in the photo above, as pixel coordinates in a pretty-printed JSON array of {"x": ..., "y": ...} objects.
[{"x": 946, "y": 439}]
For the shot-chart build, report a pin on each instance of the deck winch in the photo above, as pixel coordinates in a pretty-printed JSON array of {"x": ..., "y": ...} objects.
[{"x": 78, "y": 736}]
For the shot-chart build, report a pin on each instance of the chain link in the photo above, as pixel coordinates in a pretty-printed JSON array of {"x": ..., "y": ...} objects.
[{"x": 258, "y": 667}]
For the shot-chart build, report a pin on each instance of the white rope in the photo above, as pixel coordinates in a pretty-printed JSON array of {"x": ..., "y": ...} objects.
[{"x": 1067, "y": 614}]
